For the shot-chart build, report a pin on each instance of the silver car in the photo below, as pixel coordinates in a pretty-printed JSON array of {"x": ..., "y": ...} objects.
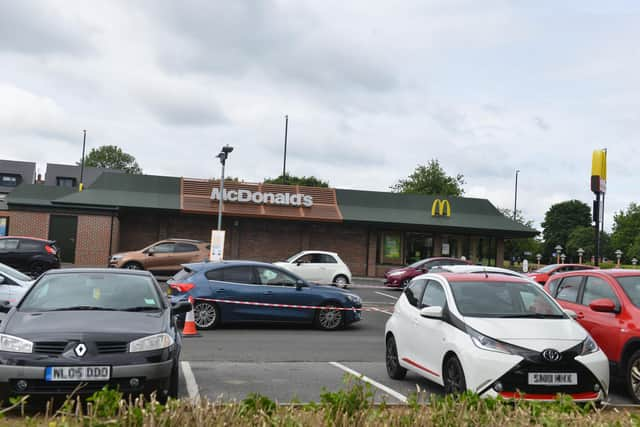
[{"x": 13, "y": 284}]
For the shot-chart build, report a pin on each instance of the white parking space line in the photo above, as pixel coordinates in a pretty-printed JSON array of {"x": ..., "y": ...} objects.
[
  {"x": 386, "y": 295},
  {"x": 190, "y": 379},
  {"x": 376, "y": 384}
]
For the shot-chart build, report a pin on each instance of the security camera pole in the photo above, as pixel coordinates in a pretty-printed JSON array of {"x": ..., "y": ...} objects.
[{"x": 224, "y": 153}]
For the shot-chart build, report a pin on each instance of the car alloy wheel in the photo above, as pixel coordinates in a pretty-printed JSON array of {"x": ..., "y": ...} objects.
[
  {"x": 329, "y": 318},
  {"x": 133, "y": 266},
  {"x": 341, "y": 281},
  {"x": 405, "y": 283},
  {"x": 394, "y": 370},
  {"x": 454, "y": 382},
  {"x": 633, "y": 377},
  {"x": 205, "y": 315}
]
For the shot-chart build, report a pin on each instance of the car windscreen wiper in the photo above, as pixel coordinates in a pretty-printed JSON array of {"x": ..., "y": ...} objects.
[
  {"x": 533, "y": 316},
  {"x": 140, "y": 308},
  {"x": 82, "y": 308}
]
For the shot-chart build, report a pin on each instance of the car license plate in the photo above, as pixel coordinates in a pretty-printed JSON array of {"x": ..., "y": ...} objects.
[
  {"x": 553, "y": 378},
  {"x": 77, "y": 373}
]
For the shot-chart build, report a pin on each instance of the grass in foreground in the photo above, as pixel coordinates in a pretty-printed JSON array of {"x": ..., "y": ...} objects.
[{"x": 352, "y": 406}]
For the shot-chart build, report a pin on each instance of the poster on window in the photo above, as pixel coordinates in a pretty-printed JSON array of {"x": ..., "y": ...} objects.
[
  {"x": 216, "y": 252},
  {"x": 445, "y": 249},
  {"x": 3, "y": 226},
  {"x": 391, "y": 247}
]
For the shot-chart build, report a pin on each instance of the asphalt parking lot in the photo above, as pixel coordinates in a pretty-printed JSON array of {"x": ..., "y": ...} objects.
[{"x": 295, "y": 363}]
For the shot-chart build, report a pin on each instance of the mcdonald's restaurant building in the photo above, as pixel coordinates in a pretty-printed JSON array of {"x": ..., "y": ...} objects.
[{"x": 371, "y": 231}]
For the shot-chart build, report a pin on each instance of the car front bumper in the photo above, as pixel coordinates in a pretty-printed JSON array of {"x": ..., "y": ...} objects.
[{"x": 134, "y": 379}]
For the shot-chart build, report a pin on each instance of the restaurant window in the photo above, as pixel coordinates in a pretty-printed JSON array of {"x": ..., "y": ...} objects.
[
  {"x": 391, "y": 248},
  {"x": 65, "y": 181},
  {"x": 487, "y": 251},
  {"x": 417, "y": 246},
  {"x": 4, "y": 226}
]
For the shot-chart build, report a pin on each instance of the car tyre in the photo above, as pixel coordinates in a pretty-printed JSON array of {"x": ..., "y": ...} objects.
[
  {"x": 405, "y": 283},
  {"x": 174, "y": 383},
  {"x": 206, "y": 315},
  {"x": 330, "y": 319},
  {"x": 131, "y": 265},
  {"x": 37, "y": 268},
  {"x": 394, "y": 370},
  {"x": 632, "y": 378},
  {"x": 341, "y": 281},
  {"x": 454, "y": 382}
]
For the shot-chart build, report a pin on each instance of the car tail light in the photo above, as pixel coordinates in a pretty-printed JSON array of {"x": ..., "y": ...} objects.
[
  {"x": 50, "y": 250},
  {"x": 182, "y": 287}
]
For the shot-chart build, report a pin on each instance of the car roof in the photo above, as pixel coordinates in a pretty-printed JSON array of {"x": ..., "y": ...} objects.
[
  {"x": 613, "y": 272},
  {"x": 479, "y": 268},
  {"x": 316, "y": 252},
  {"x": 489, "y": 277},
  {"x": 27, "y": 237},
  {"x": 196, "y": 266},
  {"x": 171, "y": 239},
  {"x": 114, "y": 271}
]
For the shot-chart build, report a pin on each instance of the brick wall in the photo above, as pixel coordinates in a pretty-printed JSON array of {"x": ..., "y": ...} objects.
[
  {"x": 32, "y": 224},
  {"x": 92, "y": 240}
]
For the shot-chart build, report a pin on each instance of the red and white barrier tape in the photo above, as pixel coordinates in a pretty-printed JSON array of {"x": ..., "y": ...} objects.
[{"x": 267, "y": 304}]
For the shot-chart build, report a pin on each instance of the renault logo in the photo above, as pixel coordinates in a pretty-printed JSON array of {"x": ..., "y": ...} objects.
[
  {"x": 80, "y": 350},
  {"x": 440, "y": 208},
  {"x": 551, "y": 355}
]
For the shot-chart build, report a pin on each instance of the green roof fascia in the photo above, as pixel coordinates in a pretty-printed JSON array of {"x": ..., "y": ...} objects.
[
  {"x": 415, "y": 209},
  {"x": 36, "y": 195}
]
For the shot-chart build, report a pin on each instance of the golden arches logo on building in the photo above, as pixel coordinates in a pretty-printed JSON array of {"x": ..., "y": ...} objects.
[{"x": 440, "y": 208}]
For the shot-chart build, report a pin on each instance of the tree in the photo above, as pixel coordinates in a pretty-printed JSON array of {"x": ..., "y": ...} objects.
[
  {"x": 431, "y": 179},
  {"x": 518, "y": 247},
  {"x": 306, "y": 181},
  {"x": 112, "y": 157},
  {"x": 584, "y": 237},
  {"x": 561, "y": 219},
  {"x": 626, "y": 231}
]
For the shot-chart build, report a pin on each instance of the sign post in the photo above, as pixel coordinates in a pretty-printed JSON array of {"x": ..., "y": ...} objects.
[
  {"x": 598, "y": 187},
  {"x": 216, "y": 252}
]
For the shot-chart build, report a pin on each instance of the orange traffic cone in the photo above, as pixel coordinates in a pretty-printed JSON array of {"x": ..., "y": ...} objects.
[{"x": 189, "y": 329}]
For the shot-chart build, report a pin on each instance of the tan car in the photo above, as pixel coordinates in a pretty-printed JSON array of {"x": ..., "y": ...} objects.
[{"x": 164, "y": 256}]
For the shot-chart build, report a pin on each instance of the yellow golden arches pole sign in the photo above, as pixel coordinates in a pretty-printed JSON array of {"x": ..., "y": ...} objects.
[
  {"x": 440, "y": 208},
  {"x": 599, "y": 187}
]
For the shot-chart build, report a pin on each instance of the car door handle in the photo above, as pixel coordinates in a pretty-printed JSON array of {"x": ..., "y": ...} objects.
[{"x": 219, "y": 291}]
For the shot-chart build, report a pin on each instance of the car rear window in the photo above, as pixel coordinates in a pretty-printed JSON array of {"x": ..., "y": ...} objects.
[
  {"x": 183, "y": 274},
  {"x": 631, "y": 286},
  {"x": 93, "y": 291}
]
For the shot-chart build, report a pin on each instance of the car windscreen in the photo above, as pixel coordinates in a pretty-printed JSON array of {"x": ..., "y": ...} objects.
[
  {"x": 12, "y": 272},
  {"x": 417, "y": 264},
  {"x": 93, "y": 291},
  {"x": 293, "y": 257},
  {"x": 503, "y": 299},
  {"x": 631, "y": 287}
]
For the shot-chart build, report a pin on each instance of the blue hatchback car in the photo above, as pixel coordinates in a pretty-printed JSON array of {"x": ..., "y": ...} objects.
[{"x": 277, "y": 292}]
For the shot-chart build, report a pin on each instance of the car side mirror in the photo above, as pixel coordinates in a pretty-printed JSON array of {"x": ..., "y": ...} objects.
[
  {"x": 5, "y": 306},
  {"x": 151, "y": 251},
  {"x": 298, "y": 262},
  {"x": 571, "y": 313},
  {"x": 180, "y": 307},
  {"x": 603, "y": 305},
  {"x": 2, "y": 280},
  {"x": 300, "y": 284},
  {"x": 433, "y": 312}
]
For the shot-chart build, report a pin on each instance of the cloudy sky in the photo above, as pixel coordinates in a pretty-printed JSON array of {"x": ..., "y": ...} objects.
[{"x": 372, "y": 89}]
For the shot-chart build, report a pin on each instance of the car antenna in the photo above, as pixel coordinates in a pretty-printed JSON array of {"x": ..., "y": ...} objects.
[{"x": 486, "y": 275}]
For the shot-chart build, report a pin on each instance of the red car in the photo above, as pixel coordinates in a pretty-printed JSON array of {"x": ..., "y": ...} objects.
[
  {"x": 400, "y": 277},
  {"x": 541, "y": 275},
  {"x": 607, "y": 304}
]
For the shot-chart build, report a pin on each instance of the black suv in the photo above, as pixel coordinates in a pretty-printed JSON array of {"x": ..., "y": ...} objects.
[{"x": 28, "y": 254}]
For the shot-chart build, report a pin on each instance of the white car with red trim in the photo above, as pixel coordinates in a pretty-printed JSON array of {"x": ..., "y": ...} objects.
[{"x": 494, "y": 335}]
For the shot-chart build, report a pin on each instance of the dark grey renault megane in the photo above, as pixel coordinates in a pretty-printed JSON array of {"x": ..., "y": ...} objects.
[{"x": 80, "y": 329}]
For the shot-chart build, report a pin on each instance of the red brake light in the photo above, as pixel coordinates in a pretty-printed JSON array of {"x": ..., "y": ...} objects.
[
  {"x": 182, "y": 287},
  {"x": 50, "y": 250}
]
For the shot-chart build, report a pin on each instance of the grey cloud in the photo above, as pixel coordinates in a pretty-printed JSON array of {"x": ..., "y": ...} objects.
[
  {"x": 541, "y": 123},
  {"x": 234, "y": 38},
  {"x": 183, "y": 111},
  {"x": 31, "y": 27}
]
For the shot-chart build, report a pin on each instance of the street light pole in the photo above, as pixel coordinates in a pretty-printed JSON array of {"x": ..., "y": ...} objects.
[
  {"x": 284, "y": 164},
  {"x": 558, "y": 249},
  {"x": 224, "y": 153},
  {"x": 84, "y": 142},
  {"x": 515, "y": 198}
]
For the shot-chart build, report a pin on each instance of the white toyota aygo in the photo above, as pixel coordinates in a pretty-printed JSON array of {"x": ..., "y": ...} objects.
[{"x": 494, "y": 335}]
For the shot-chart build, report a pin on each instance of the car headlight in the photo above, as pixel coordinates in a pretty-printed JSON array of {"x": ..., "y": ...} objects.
[
  {"x": 354, "y": 298},
  {"x": 487, "y": 343},
  {"x": 152, "y": 342},
  {"x": 15, "y": 344},
  {"x": 396, "y": 273},
  {"x": 588, "y": 346},
  {"x": 115, "y": 257}
]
